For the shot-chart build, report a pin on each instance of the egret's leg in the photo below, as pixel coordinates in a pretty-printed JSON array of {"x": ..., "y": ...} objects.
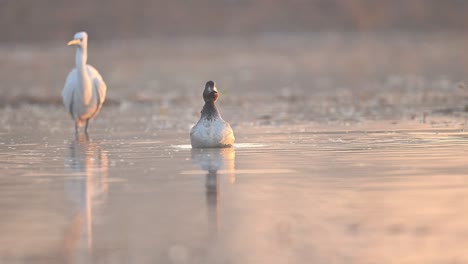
[
  {"x": 86, "y": 126},
  {"x": 76, "y": 128}
]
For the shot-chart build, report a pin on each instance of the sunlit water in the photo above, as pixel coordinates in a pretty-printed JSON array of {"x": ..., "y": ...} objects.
[
  {"x": 350, "y": 149},
  {"x": 377, "y": 192}
]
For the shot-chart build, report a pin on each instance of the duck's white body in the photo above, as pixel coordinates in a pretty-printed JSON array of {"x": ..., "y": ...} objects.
[
  {"x": 85, "y": 90},
  {"x": 211, "y": 131}
]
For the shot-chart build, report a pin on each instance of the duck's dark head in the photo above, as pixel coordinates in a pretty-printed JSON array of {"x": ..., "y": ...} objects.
[{"x": 210, "y": 94}]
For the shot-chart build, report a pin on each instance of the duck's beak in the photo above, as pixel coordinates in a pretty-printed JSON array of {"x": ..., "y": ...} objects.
[
  {"x": 212, "y": 89},
  {"x": 73, "y": 42}
]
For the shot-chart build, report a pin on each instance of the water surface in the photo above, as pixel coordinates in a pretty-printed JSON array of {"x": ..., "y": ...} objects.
[
  {"x": 351, "y": 148},
  {"x": 373, "y": 193}
]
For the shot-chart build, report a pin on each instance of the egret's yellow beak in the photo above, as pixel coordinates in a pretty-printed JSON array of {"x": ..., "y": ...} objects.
[{"x": 73, "y": 42}]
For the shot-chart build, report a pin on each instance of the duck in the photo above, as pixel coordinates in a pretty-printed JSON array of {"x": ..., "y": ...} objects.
[
  {"x": 211, "y": 131},
  {"x": 84, "y": 92}
]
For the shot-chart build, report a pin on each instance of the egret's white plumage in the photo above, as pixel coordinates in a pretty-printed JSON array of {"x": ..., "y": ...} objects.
[
  {"x": 85, "y": 90},
  {"x": 211, "y": 131}
]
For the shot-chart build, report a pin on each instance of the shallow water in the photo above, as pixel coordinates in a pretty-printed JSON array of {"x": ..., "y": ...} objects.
[
  {"x": 377, "y": 192},
  {"x": 334, "y": 163}
]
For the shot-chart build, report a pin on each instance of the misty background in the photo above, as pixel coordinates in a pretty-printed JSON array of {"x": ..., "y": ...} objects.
[
  {"x": 25, "y": 20},
  {"x": 313, "y": 60}
]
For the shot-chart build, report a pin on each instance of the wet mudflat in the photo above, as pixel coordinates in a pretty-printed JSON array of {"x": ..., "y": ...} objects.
[{"x": 334, "y": 163}]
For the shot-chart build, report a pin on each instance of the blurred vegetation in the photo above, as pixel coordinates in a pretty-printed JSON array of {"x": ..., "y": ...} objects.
[{"x": 28, "y": 20}]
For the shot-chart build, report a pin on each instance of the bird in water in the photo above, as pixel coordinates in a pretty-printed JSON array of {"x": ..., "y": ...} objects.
[
  {"x": 211, "y": 131},
  {"x": 85, "y": 90}
]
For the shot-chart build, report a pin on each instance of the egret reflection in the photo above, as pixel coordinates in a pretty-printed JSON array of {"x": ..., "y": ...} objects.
[
  {"x": 213, "y": 160},
  {"x": 87, "y": 191}
]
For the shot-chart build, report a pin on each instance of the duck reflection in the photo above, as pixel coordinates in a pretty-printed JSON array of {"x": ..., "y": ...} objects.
[
  {"x": 215, "y": 161},
  {"x": 86, "y": 192}
]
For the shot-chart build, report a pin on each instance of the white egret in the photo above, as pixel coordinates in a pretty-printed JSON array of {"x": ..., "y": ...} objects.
[
  {"x": 211, "y": 131},
  {"x": 85, "y": 90}
]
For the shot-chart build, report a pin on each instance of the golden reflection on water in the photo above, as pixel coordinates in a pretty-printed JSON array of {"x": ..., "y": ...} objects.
[
  {"x": 365, "y": 196},
  {"x": 211, "y": 161},
  {"x": 86, "y": 194}
]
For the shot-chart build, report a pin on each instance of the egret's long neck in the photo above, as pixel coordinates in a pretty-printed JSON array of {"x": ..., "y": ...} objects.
[
  {"x": 83, "y": 78},
  {"x": 80, "y": 59}
]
